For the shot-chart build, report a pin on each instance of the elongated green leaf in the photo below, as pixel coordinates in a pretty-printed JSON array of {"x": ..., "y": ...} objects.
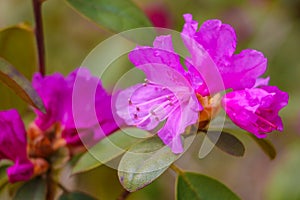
[
  {"x": 266, "y": 146},
  {"x": 227, "y": 143},
  {"x": 76, "y": 196},
  {"x": 17, "y": 46},
  {"x": 33, "y": 190},
  {"x": 109, "y": 148},
  {"x": 194, "y": 186},
  {"x": 145, "y": 162},
  {"x": 116, "y": 15},
  {"x": 19, "y": 84}
]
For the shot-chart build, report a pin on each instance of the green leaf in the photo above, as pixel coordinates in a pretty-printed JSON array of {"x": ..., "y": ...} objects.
[
  {"x": 20, "y": 85},
  {"x": 116, "y": 15},
  {"x": 76, "y": 196},
  {"x": 194, "y": 186},
  {"x": 145, "y": 162},
  {"x": 17, "y": 46},
  {"x": 33, "y": 190},
  {"x": 109, "y": 148},
  {"x": 266, "y": 146},
  {"x": 227, "y": 143}
]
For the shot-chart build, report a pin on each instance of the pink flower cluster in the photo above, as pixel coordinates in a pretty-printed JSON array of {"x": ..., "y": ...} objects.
[
  {"x": 170, "y": 91},
  {"x": 56, "y": 93}
]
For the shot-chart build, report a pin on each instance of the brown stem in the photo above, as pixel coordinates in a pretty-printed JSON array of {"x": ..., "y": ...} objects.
[
  {"x": 39, "y": 35},
  {"x": 124, "y": 195},
  {"x": 51, "y": 187}
]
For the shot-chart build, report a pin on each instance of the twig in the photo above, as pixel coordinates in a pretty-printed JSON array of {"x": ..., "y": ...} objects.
[
  {"x": 176, "y": 169},
  {"x": 124, "y": 195},
  {"x": 39, "y": 35}
]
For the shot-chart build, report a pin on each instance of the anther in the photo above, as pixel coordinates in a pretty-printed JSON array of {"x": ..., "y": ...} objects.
[
  {"x": 137, "y": 109},
  {"x": 135, "y": 116},
  {"x": 129, "y": 101}
]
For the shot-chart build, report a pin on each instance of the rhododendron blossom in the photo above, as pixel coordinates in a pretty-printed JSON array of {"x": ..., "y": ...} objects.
[
  {"x": 94, "y": 106},
  {"x": 212, "y": 67},
  {"x": 166, "y": 94},
  {"x": 13, "y": 146}
]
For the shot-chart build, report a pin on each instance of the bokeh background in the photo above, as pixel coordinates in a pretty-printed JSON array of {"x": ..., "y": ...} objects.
[{"x": 272, "y": 27}]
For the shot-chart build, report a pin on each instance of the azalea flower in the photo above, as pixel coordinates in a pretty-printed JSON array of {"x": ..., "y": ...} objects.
[
  {"x": 86, "y": 110},
  {"x": 166, "y": 95},
  {"x": 256, "y": 109},
  {"x": 211, "y": 68},
  {"x": 13, "y": 146}
]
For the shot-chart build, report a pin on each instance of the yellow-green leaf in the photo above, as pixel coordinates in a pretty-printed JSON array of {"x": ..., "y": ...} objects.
[
  {"x": 17, "y": 46},
  {"x": 109, "y": 148}
]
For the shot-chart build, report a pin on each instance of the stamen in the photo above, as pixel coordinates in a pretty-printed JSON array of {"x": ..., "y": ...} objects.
[
  {"x": 137, "y": 109},
  {"x": 144, "y": 84},
  {"x": 129, "y": 102},
  {"x": 135, "y": 116}
]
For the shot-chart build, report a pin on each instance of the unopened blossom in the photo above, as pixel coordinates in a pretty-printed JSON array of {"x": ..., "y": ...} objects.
[
  {"x": 256, "y": 109},
  {"x": 166, "y": 94},
  {"x": 212, "y": 48},
  {"x": 90, "y": 102},
  {"x": 13, "y": 146}
]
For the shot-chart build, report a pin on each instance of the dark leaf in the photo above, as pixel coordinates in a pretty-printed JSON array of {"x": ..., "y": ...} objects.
[
  {"x": 266, "y": 146},
  {"x": 227, "y": 143},
  {"x": 194, "y": 186},
  {"x": 34, "y": 190},
  {"x": 20, "y": 85}
]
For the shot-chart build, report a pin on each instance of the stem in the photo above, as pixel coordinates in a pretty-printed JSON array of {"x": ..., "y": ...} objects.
[
  {"x": 50, "y": 187},
  {"x": 63, "y": 188},
  {"x": 176, "y": 169},
  {"x": 39, "y": 35},
  {"x": 124, "y": 195}
]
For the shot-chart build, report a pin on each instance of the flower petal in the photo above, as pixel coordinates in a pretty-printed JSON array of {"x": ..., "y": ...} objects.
[
  {"x": 256, "y": 109},
  {"x": 244, "y": 69},
  {"x": 218, "y": 39},
  {"x": 20, "y": 172},
  {"x": 54, "y": 92}
]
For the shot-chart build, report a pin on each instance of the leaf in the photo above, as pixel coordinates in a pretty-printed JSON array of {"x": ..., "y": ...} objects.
[
  {"x": 145, "y": 162},
  {"x": 76, "y": 196},
  {"x": 116, "y": 15},
  {"x": 266, "y": 146},
  {"x": 194, "y": 186},
  {"x": 20, "y": 85},
  {"x": 109, "y": 148},
  {"x": 227, "y": 143},
  {"x": 17, "y": 46},
  {"x": 34, "y": 190}
]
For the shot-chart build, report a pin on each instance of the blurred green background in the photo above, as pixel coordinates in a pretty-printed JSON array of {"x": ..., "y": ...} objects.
[{"x": 272, "y": 27}]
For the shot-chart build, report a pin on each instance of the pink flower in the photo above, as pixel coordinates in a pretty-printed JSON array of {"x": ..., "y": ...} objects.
[
  {"x": 256, "y": 109},
  {"x": 212, "y": 47},
  {"x": 166, "y": 95},
  {"x": 88, "y": 108},
  {"x": 13, "y": 146}
]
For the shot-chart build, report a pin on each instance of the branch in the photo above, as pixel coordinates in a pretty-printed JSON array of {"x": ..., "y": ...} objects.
[{"x": 39, "y": 35}]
